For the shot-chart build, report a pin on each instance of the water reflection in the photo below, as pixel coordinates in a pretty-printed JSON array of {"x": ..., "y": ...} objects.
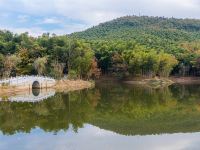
[
  {"x": 94, "y": 138},
  {"x": 123, "y": 109},
  {"x": 36, "y": 92},
  {"x": 33, "y": 95}
]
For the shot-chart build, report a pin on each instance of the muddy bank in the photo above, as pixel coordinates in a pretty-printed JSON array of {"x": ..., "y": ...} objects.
[
  {"x": 186, "y": 80},
  {"x": 155, "y": 82},
  {"x": 72, "y": 85},
  {"x": 152, "y": 82}
]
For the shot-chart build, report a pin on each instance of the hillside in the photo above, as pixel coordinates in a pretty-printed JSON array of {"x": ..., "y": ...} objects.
[
  {"x": 177, "y": 37},
  {"x": 154, "y": 32},
  {"x": 134, "y": 26}
]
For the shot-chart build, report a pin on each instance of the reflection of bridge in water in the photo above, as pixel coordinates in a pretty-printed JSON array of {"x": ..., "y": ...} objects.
[{"x": 33, "y": 95}]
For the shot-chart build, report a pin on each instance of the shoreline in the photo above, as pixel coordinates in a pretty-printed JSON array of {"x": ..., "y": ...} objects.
[
  {"x": 65, "y": 85},
  {"x": 151, "y": 82},
  {"x": 174, "y": 79},
  {"x": 72, "y": 85},
  {"x": 185, "y": 80},
  {"x": 155, "y": 82}
]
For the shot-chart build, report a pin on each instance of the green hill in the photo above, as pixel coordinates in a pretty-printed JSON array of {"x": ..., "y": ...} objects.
[
  {"x": 177, "y": 37},
  {"x": 154, "y": 32},
  {"x": 134, "y": 27}
]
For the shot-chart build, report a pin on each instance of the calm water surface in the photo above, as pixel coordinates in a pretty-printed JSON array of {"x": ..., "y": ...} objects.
[{"x": 108, "y": 117}]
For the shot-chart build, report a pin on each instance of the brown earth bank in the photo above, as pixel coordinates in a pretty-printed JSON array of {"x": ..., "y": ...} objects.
[
  {"x": 136, "y": 80},
  {"x": 60, "y": 86},
  {"x": 185, "y": 80},
  {"x": 152, "y": 82},
  {"x": 72, "y": 85},
  {"x": 155, "y": 82}
]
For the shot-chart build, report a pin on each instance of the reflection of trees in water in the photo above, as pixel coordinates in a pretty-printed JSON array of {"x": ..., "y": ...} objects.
[
  {"x": 186, "y": 93},
  {"x": 120, "y": 108},
  {"x": 149, "y": 111},
  {"x": 135, "y": 102},
  {"x": 53, "y": 114}
]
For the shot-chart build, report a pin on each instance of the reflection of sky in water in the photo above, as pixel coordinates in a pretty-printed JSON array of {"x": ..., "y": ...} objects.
[{"x": 93, "y": 138}]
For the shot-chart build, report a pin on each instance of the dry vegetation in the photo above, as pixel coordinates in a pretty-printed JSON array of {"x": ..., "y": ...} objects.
[{"x": 72, "y": 85}]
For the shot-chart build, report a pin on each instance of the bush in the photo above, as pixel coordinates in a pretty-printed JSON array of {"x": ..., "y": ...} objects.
[{"x": 72, "y": 74}]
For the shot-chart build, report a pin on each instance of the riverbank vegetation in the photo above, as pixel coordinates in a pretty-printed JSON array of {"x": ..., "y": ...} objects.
[{"x": 127, "y": 46}]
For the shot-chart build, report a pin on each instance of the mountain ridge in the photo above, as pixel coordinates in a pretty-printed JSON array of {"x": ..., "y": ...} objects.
[{"x": 190, "y": 28}]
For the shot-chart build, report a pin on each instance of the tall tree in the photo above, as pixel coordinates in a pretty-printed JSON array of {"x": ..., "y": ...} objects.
[
  {"x": 40, "y": 65},
  {"x": 10, "y": 64}
]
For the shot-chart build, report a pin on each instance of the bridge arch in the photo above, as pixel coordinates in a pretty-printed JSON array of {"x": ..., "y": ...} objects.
[{"x": 36, "y": 85}]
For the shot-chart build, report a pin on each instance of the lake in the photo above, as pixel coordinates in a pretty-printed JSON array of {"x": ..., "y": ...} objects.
[{"x": 112, "y": 116}]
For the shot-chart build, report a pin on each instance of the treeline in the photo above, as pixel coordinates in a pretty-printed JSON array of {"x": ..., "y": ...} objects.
[
  {"x": 178, "y": 37},
  {"x": 57, "y": 56},
  {"x": 52, "y": 56},
  {"x": 129, "y": 58}
]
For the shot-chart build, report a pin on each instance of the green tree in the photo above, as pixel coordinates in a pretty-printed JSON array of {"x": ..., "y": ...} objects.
[
  {"x": 40, "y": 65},
  {"x": 10, "y": 64},
  {"x": 166, "y": 64}
]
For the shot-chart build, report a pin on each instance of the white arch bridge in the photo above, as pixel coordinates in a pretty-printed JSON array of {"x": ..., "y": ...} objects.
[{"x": 29, "y": 82}]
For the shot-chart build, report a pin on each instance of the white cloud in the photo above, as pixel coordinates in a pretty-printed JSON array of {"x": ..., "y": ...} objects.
[
  {"x": 93, "y": 12},
  {"x": 102, "y": 10},
  {"x": 51, "y": 21}
]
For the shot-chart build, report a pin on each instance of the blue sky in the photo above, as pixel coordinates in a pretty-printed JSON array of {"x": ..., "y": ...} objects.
[{"x": 67, "y": 16}]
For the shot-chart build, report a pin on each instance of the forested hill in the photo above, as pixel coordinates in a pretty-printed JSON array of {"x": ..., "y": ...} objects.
[
  {"x": 127, "y": 46},
  {"x": 177, "y": 37},
  {"x": 141, "y": 28}
]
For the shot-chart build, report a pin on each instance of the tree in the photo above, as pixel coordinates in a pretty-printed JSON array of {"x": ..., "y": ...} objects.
[
  {"x": 80, "y": 59},
  {"x": 40, "y": 65},
  {"x": 94, "y": 72},
  {"x": 1, "y": 64},
  {"x": 119, "y": 67},
  {"x": 57, "y": 69},
  {"x": 10, "y": 64},
  {"x": 166, "y": 64}
]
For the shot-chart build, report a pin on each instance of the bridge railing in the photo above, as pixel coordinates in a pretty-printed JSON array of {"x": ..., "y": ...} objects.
[{"x": 23, "y": 79}]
